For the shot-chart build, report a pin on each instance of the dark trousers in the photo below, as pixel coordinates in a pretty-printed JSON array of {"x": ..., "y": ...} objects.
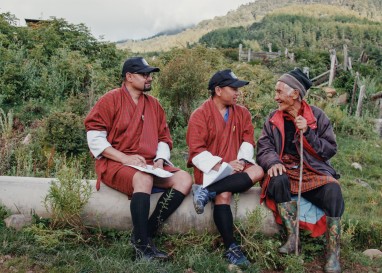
[{"x": 327, "y": 197}]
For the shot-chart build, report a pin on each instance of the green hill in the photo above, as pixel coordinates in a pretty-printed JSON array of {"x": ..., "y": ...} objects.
[
  {"x": 315, "y": 27},
  {"x": 250, "y": 13}
]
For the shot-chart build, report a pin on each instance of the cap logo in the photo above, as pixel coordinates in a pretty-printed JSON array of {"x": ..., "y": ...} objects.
[
  {"x": 144, "y": 62},
  {"x": 232, "y": 75}
]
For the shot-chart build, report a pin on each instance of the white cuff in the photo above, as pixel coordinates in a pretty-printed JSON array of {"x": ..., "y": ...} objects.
[
  {"x": 163, "y": 152},
  {"x": 97, "y": 142},
  {"x": 205, "y": 161},
  {"x": 246, "y": 152}
]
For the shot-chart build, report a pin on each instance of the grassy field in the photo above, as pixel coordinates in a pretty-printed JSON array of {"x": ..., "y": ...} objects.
[{"x": 40, "y": 248}]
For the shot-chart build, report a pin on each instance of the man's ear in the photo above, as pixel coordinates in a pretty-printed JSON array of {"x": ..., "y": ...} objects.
[
  {"x": 218, "y": 90},
  {"x": 295, "y": 94}
]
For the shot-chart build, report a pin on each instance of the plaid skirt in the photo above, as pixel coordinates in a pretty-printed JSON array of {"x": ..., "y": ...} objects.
[{"x": 310, "y": 178}]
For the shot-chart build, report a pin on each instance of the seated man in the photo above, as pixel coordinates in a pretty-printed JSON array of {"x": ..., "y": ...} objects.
[
  {"x": 278, "y": 153},
  {"x": 128, "y": 127},
  {"x": 221, "y": 132}
]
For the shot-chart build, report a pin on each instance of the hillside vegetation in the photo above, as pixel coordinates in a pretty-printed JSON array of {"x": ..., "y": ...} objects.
[
  {"x": 246, "y": 15},
  {"x": 314, "y": 26}
]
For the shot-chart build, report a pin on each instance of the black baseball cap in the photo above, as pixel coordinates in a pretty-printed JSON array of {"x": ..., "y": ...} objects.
[
  {"x": 137, "y": 65},
  {"x": 225, "y": 78}
]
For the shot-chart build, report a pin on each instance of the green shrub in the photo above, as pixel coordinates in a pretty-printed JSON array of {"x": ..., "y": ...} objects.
[
  {"x": 183, "y": 81},
  {"x": 67, "y": 197},
  {"x": 4, "y": 213},
  {"x": 66, "y": 133}
]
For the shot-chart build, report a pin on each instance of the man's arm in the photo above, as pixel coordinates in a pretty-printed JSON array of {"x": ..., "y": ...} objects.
[
  {"x": 323, "y": 139},
  {"x": 118, "y": 156},
  {"x": 99, "y": 146},
  {"x": 196, "y": 138},
  {"x": 267, "y": 155},
  {"x": 162, "y": 155}
]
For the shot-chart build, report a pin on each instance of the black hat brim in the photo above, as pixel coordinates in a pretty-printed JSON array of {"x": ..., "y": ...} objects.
[
  {"x": 238, "y": 84},
  {"x": 148, "y": 69}
]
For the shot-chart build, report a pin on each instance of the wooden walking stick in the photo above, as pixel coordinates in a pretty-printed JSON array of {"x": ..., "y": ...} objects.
[{"x": 299, "y": 191}]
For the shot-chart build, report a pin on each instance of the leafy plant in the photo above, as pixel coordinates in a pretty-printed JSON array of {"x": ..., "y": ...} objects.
[
  {"x": 6, "y": 124},
  {"x": 66, "y": 133},
  {"x": 67, "y": 197}
]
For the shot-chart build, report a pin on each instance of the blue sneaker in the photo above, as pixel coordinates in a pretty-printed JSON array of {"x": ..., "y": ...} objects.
[
  {"x": 235, "y": 256},
  {"x": 201, "y": 197}
]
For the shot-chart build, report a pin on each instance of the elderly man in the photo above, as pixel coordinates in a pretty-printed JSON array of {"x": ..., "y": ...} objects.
[
  {"x": 278, "y": 153},
  {"x": 221, "y": 140},
  {"x": 128, "y": 127}
]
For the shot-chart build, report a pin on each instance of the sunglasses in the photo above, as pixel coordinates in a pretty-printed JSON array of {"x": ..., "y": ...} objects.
[{"x": 144, "y": 75}]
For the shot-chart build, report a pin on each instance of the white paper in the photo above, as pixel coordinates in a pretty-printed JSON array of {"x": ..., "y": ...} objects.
[
  {"x": 214, "y": 176},
  {"x": 157, "y": 172}
]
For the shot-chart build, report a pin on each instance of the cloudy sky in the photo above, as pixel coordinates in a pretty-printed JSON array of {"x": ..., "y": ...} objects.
[{"x": 122, "y": 19}]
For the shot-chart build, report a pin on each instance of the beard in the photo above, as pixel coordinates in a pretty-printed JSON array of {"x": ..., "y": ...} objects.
[{"x": 146, "y": 87}]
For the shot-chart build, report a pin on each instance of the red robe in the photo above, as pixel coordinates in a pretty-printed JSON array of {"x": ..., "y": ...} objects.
[
  {"x": 132, "y": 129},
  {"x": 207, "y": 131}
]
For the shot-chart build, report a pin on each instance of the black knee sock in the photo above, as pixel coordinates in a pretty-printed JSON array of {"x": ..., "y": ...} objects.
[
  {"x": 140, "y": 208},
  {"x": 224, "y": 222},
  {"x": 235, "y": 183},
  {"x": 169, "y": 201}
]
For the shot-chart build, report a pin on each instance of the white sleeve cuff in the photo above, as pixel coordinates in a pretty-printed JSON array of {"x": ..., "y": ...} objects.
[
  {"x": 246, "y": 152},
  {"x": 97, "y": 142},
  {"x": 205, "y": 161},
  {"x": 163, "y": 152}
]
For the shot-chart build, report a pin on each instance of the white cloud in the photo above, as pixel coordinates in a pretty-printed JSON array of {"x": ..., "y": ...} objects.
[{"x": 118, "y": 19}]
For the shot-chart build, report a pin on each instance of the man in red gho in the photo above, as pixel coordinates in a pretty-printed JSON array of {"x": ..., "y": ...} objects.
[
  {"x": 220, "y": 134},
  {"x": 278, "y": 152},
  {"x": 128, "y": 127}
]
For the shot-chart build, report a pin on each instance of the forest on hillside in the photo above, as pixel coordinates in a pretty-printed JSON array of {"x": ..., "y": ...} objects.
[{"x": 296, "y": 31}]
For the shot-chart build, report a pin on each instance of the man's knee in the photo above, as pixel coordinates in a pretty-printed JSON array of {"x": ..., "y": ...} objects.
[
  {"x": 142, "y": 182},
  {"x": 255, "y": 172},
  {"x": 333, "y": 200},
  {"x": 183, "y": 182},
  {"x": 280, "y": 182},
  {"x": 333, "y": 192},
  {"x": 223, "y": 198},
  {"x": 279, "y": 188}
]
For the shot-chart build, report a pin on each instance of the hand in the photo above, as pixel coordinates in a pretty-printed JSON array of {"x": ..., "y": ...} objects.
[
  {"x": 158, "y": 164},
  {"x": 135, "y": 160},
  {"x": 217, "y": 167},
  {"x": 301, "y": 123},
  {"x": 237, "y": 165},
  {"x": 277, "y": 169}
]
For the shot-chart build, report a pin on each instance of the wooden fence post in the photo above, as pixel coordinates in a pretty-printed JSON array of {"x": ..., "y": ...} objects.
[
  {"x": 240, "y": 51},
  {"x": 332, "y": 66},
  {"x": 378, "y": 100},
  {"x": 360, "y": 100},
  {"x": 291, "y": 55},
  {"x": 345, "y": 57},
  {"x": 352, "y": 99},
  {"x": 249, "y": 54}
]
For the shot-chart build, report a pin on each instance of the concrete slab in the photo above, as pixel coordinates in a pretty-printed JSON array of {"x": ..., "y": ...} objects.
[{"x": 108, "y": 208}]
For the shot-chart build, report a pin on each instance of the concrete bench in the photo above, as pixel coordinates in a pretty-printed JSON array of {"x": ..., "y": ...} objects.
[{"x": 108, "y": 208}]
